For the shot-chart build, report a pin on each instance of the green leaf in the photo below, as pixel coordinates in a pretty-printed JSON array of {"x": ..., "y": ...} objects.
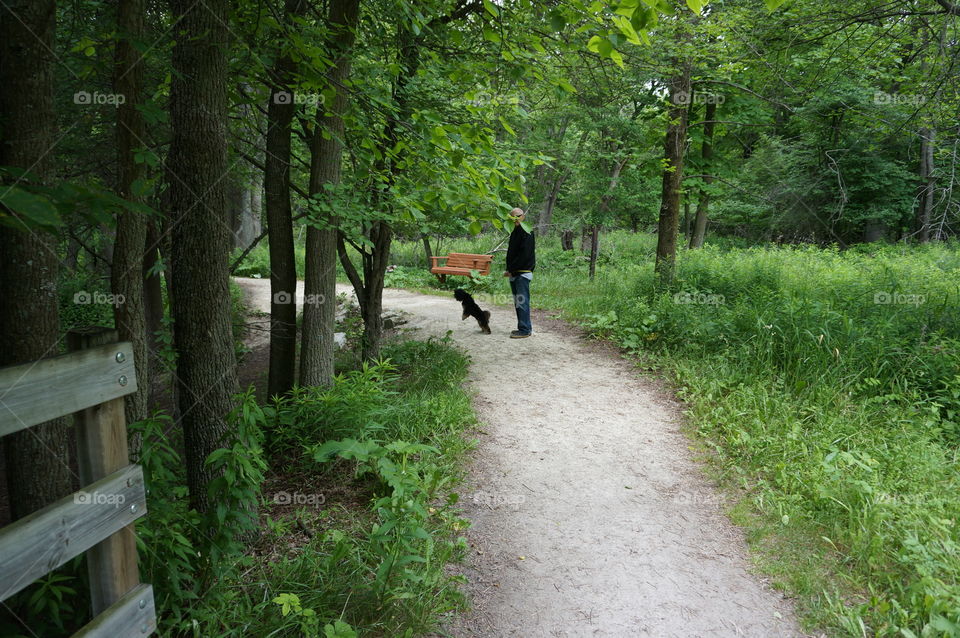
[
  {"x": 773, "y": 5},
  {"x": 33, "y": 211},
  {"x": 627, "y": 29},
  {"x": 491, "y": 8},
  {"x": 557, "y": 21},
  {"x": 475, "y": 227},
  {"x": 696, "y": 5}
]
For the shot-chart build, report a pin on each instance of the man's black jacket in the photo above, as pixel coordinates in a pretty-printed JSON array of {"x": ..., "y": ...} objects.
[{"x": 520, "y": 251}]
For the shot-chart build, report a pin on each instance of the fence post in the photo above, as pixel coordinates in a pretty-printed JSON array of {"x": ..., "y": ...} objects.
[{"x": 102, "y": 450}]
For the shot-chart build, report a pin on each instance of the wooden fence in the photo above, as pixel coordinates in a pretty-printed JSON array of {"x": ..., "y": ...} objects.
[{"x": 89, "y": 382}]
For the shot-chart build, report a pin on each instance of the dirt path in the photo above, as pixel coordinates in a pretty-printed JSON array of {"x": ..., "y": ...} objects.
[{"x": 590, "y": 517}]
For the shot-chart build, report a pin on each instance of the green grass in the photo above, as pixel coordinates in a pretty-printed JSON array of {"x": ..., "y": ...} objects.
[
  {"x": 340, "y": 572},
  {"x": 367, "y": 554},
  {"x": 824, "y": 387}
]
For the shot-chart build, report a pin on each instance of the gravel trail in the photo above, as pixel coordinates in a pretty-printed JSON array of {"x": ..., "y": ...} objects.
[{"x": 590, "y": 516}]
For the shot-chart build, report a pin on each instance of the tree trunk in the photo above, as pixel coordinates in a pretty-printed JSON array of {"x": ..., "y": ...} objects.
[
  {"x": 703, "y": 203},
  {"x": 200, "y": 246},
  {"x": 928, "y": 184},
  {"x": 127, "y": 264},
  {"x": 594, "y": 248},
  {"x": 679, "y": 86},
  {"x": 369, "y": 288},
  {"x": 604, "y": 209},
  {"x": 566, "y": 240},
  {"x": 550, "y": 197},
  {"x": 320, "y": 278},
  {"x": 37, "y": 458},
  {"x": 546, "y": 208},
  {"x": 426, "y": 248},
  {"x": 283, "y": 268},
  {"x": 245, "y": 222},
  {"x": 153, "y": 313}
]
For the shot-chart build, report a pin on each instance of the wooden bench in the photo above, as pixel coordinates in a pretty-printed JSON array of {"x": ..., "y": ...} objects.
[{"x": 461, "y": 264}]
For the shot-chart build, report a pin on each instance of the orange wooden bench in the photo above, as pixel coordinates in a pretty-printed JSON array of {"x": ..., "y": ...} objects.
[{"x": 461, "y": 264}]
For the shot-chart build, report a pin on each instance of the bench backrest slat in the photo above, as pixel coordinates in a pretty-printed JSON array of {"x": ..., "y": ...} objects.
[{"x": 467, "y": 260}]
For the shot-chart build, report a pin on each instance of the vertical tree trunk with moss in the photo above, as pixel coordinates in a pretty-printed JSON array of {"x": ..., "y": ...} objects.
[
  {"x": 36, "y": 459},
  {"x": 320, "y": 276},
  {"x": 200, "y": 246}
]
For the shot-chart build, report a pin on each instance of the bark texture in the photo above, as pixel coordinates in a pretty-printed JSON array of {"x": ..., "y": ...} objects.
[
  {"x": 200, "y": 246},
  {"x": 703, "y": 203},
  {"x": 320, "y": 276},
  {"x": 36, "y": 459},
  {"x": 673, "y": 144},
  {"x": 283, "y": 270},
  {"x": 127, "y": 266}
]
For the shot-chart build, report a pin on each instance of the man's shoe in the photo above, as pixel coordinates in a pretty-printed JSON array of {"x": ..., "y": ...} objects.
[{"x": 516, "y": 334}]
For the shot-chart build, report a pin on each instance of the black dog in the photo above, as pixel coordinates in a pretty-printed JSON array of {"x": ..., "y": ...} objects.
[{"x": 471, "y": 309}]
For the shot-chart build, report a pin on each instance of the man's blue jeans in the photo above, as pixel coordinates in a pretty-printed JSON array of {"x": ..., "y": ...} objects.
[{"x": 520, "y": 287}]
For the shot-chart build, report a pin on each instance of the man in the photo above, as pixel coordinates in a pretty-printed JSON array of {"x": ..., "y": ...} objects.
[{"x": 520, "y": 264}]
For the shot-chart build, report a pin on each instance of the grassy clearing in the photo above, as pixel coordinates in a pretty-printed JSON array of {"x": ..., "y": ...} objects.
[{"x": 826, "y": 386}]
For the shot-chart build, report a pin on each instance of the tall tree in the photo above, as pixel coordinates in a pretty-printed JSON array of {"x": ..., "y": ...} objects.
[
  {"x": 706, "y": 153},
  {"x": 320, "y": 275},
  {"x": 379, "y": 233},
  {"x": 673, "y": 147},
  {"x": 128, "y": 253},
  {"x": 36, "y": 459},
  {"x": 200, "y": 236},
  {"x": 283, "y": 270}
]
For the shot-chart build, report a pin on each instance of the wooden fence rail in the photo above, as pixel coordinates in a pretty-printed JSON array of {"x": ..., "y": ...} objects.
[{"x": 89, "y": 382}]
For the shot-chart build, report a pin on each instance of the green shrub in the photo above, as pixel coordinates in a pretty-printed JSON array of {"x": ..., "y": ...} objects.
[{"x": 376, "y": 571}]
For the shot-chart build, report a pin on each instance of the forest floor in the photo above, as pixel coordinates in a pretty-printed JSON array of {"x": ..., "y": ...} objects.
[{"x": 590, "y": 514}]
